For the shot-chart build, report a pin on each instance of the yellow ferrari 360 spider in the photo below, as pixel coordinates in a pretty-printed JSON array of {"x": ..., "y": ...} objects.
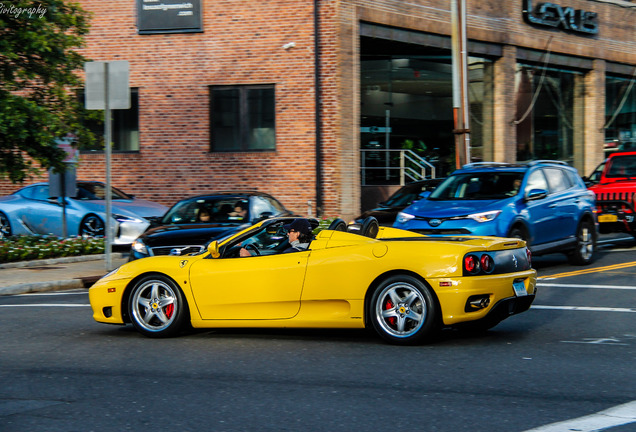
[{"x": 404, "y": 285}]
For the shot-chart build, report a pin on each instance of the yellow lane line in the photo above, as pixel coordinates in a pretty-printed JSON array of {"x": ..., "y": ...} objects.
[{"x": 589, "y": 270}]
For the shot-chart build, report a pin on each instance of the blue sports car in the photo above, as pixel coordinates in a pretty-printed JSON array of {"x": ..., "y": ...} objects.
[
  {"x": 544, "y": 203},
  {"x": 30, "y": 210}
]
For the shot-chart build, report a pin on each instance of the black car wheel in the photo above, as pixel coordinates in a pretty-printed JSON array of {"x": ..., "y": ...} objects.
[
  {"x": 5, "y": 226},
  {"x": 519, "y": 233},
  {"x": 157, "y": 307},
  {"x": 585, "y": 244},
  {"x": 92, "y": 226},
  {"x": 403, "y": 310}
]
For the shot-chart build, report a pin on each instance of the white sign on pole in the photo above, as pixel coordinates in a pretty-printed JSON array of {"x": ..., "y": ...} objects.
[
  {"x": 118, "y": 87},
  {"x": 107, "y": 88}
]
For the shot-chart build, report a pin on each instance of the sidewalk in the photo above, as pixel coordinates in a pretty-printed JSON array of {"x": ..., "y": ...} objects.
[{"x": 55, "y": 274}]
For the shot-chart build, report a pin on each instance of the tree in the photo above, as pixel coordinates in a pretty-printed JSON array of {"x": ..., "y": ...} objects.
[{"x": 38, "y": 82}]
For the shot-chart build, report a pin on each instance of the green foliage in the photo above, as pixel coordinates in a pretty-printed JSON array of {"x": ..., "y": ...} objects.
[
  {"x": 23, "y": 248},
  {"x": 38, "y": 83}
]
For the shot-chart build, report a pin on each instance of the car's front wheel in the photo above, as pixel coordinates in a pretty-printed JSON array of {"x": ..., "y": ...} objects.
[
  {"x": 92, "y": 226},
  {"x": 403, "y": 310},
  {"x": 583, "y": 253},
  {"x": 157, "y": 307},
  {"x": 5, "y": 226}
]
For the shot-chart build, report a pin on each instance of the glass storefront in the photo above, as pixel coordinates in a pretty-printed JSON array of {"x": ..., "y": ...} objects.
[
  {"x": 406, "y": 104},
  {"x": 620, "y": 114},
  {"x": 545, "y": 113}
]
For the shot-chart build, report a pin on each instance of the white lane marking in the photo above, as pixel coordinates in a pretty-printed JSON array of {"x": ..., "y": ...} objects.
[
  {"x": 47, "y": 305},
  {"x": 584, "y": 308},
  {"x": 615, "y": 416},
  {"x": 613, "y": 287}
]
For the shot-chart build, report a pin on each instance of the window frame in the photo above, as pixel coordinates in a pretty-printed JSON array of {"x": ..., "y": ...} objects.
[{"x": 244, "y": 126}]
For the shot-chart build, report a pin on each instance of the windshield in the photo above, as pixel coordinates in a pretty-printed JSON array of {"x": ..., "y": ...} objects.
[
  {"x": 478, "y": 186},
  {"x": 622, "y": 166},
  {"x": 97, "y": 191},
  {"x": 409, "y": 193},
  {"x": 227, "y": 209}
]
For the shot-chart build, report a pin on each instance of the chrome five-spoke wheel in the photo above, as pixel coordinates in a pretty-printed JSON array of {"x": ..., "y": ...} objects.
[
  {"x": 156, "y": 306},
  {"x": 403, "y": 310}
]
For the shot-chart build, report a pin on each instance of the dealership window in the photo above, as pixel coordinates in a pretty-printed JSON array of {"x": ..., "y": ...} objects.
[
  {"x": 125, "y": 126},
  {"x": 242, "y": 118},
  {"x": 620, "y": 114},
  {"x": 406, "y": 104},
  {"x": 545, "y": 113}
]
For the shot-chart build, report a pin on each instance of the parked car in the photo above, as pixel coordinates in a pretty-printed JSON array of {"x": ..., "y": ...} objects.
[
  {"x": 544, "y": 203},
  {"x": 403, "y": 285},
  {"x": 614, "y": 192},
  {"x": 387, "y": 211},
  {"x": 30, "y": 210},
  {"x": 595, "y": 175},
  {"x": 184, "y": 229}
]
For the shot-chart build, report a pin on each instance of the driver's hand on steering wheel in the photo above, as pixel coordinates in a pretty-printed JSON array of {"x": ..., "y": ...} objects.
[{"x": 244, "y": 252}]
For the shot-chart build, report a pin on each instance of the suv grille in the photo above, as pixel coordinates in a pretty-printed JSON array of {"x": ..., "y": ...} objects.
[{"x": 175, "y": 250}]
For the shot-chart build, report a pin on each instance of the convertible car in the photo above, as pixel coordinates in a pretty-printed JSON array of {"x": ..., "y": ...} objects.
[{"x": 404, "y": 285}]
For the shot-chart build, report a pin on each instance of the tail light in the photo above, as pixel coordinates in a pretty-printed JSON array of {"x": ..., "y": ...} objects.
[
  {"x": 529, "y": 255},
  {"x": 487, "y": 263},
  {"x": 471, "y": 264}
]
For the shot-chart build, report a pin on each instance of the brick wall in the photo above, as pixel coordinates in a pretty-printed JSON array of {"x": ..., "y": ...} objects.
[{"x": 242, "y": 44}]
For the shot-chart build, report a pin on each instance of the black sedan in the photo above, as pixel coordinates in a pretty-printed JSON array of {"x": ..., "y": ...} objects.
[
  {"x": 387, "y": 211},
  {"x": 191, "y": 223}
]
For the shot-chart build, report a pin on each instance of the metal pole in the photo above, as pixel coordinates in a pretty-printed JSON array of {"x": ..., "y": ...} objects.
[
  {"x": 107, "y": 151},
  {"x": 460, "y": 83}
]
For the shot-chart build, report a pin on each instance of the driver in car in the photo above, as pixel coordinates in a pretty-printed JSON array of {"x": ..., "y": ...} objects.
[{"x": 299, "y": 235}]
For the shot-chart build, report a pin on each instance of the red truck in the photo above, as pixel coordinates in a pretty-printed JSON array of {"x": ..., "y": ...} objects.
[{"x": 615, "y": 191}]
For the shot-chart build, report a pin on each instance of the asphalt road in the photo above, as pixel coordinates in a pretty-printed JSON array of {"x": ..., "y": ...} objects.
[{"x": 571, "y": 358}]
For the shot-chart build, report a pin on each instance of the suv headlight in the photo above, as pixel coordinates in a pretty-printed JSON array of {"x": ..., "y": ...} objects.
[
  {"x": 121, "y": 218},
  {"x": 139, "y": 247},
  {"x": 404, "y": 217},
  {"x": 485, "y": 216}
]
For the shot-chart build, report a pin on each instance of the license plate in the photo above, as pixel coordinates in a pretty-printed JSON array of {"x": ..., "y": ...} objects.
[
  {"x": 520, "y": 289},
  {"x": 607, "y": 218}
]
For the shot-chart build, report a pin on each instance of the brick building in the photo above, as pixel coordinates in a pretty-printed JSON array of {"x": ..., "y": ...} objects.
[{"x": 228, "y": 94}]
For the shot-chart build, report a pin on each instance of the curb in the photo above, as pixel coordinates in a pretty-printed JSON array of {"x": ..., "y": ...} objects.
[
  {"x": 62, "y": 260},
  {"x": 36, "y": 287}
]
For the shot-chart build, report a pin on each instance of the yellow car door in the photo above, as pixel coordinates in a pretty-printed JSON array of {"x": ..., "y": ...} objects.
[{"x": 257, "y": 287}]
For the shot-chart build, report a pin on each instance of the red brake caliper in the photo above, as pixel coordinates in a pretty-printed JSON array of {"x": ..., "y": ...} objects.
[
  {"x": 169, "y": 310},
  {"x": 388, "y": 305}
]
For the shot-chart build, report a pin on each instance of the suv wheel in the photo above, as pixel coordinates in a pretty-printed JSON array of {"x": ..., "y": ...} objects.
[{"x": 583, "y": 253}]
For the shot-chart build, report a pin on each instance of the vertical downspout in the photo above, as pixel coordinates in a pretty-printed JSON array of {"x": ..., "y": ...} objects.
[{"x": 318, "y": 112}]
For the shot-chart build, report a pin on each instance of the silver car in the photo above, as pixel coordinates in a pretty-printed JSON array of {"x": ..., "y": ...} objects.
[{"x": 30, "y": 210}]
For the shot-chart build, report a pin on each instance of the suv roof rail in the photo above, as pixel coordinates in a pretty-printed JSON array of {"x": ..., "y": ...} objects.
[
  {"x": 547, "y": 161},
  {"x": 486, "y": 164}
]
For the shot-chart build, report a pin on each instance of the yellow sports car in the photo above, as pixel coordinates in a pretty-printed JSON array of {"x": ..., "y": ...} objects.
[{"x": 405, "y": 286}]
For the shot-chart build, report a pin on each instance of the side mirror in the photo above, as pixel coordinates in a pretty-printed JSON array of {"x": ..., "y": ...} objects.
[
  {"x": 536, "y": 194},
  {"x": 213, "y": 248},
  {"x": 263, "y": 216}
]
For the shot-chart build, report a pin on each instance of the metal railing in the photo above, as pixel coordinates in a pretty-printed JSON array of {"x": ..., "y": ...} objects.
[{"x": 410, "y": 165}]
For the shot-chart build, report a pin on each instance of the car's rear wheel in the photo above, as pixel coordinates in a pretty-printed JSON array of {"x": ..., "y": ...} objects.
[
  {"x": 583, "y": 253},
  {"x": 403, "y": 310},
  {"x": 5, "y": 226},
  {"x": 157, "y": 307},
  {"x": 92, "y": 226}
]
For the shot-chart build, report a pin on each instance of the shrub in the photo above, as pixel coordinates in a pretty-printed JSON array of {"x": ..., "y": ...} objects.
[{"x": 30, "y": 247}]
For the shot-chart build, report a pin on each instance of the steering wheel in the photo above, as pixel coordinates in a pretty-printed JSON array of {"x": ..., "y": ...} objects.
[{"x": 251, "y": 247}]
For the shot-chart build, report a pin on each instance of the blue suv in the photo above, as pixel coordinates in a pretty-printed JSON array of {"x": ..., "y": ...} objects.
[{"x": 544, "y": 203}]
